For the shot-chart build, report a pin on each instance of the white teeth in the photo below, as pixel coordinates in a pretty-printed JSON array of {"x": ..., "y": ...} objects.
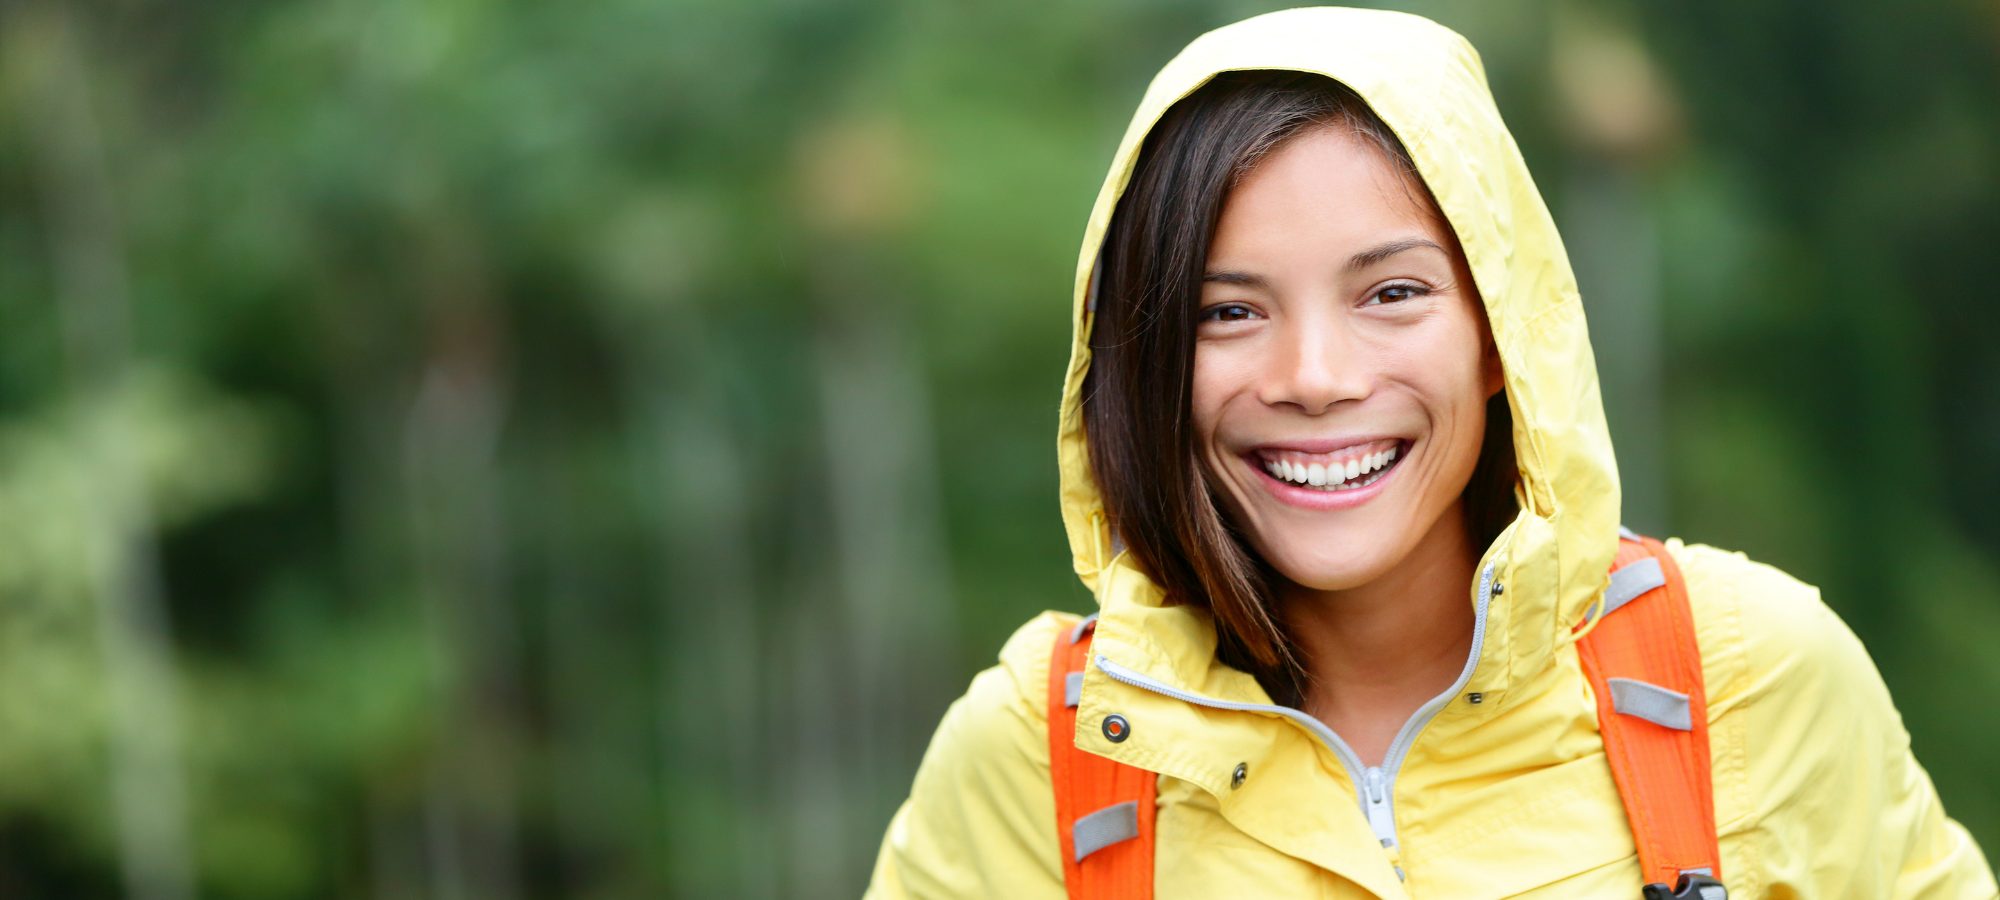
[{"x": 1362, "y": 470}]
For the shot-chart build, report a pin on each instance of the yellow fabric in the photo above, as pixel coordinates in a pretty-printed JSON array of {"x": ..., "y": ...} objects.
[{"x": 1817, "y": 793}]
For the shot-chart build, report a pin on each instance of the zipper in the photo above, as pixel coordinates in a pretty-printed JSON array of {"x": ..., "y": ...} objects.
[
  {"x": 1392, "y": 761},
  {"x": 1375, "y": 784}
]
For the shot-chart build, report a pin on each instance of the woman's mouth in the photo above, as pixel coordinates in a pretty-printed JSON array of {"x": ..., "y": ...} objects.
[
  {"x": 1347, "y": 469},
  {"x": 1335, "y": 479}
]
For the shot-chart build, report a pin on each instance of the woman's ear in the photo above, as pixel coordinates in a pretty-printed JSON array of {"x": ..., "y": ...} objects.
[{"x": 1493, "y": 375}]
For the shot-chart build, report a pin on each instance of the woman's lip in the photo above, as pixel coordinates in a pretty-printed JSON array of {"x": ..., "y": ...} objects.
[
  {"x": 1307, "y": 498},
  {"x": 1324, "y": 445}
]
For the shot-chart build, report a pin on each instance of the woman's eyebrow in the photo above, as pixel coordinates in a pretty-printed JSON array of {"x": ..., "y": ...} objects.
[
  {"x": 1376, "y": 254},
  {"x": 1229, "y": 277},
  {"x": 1357, "y": 262}
]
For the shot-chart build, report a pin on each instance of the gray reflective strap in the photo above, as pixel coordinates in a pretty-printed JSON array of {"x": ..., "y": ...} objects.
[
  {"x": 1704, "y": 870},
  {"x": 1076, "y": 634},
  {"x": 1105, "y": 827},
  {"x": 1651, "y": 702},
  {"x": 1627, "y": 533},
  {"x": 1628, "y": 583},
  {"x": 1072, "y": 688}
]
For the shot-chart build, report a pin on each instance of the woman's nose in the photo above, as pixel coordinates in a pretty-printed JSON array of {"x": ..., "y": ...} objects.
[{"x": 1315, "y": 368}]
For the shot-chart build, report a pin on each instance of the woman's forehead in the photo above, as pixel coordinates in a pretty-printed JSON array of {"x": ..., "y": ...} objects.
[{"x": 1325, "y": 191}]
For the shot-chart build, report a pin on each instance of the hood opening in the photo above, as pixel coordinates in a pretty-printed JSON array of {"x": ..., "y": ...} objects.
[{"x": 1426, "y": 86}]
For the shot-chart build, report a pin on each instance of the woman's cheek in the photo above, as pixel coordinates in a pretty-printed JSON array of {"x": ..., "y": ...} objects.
[{"x": 1218, "y": 375}]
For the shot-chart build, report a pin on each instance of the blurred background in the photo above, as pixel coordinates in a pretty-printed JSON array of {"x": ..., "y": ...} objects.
[{"x": 472, "y": 449}]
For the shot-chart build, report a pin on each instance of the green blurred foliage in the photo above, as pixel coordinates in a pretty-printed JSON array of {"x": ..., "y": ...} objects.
[{"x": 480, "y": 449}]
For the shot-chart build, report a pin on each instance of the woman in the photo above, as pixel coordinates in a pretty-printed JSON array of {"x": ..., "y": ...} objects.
[{"x": 1334, "y": 463}]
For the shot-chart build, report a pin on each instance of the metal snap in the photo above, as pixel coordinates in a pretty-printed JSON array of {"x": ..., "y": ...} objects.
[
  {"x": 1116, "y": 729},
  {"x": 1475, "y": 698},
  {"x": 1236, "y": 778},
  {"x": 1499, "y": 589}
]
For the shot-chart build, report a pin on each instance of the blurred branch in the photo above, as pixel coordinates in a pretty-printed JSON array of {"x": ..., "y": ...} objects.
[
  {"x": 93, "y": 300},
  {"x": 451, "y": 440}
]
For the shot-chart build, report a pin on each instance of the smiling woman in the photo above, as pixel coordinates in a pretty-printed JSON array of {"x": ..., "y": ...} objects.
[
  {"x": 1378, "y": 370},
  {"x": 1334, "y": 464},
  {"x": 1336, "y": 328}
]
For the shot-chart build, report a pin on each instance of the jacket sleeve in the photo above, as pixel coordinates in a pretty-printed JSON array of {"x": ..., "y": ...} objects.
[
  {"x": 980, "y": 818},
  {"x": 1838, "y": 805}
]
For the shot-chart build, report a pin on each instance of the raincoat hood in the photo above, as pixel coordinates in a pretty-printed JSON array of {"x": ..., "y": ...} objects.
[{"x": 1426, "y": 83}]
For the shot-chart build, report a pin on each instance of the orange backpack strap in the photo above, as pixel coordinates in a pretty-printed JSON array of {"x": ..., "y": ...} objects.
[
  {"x": 1104, "y": 809},
  {"x": 1645, "y": 667}
]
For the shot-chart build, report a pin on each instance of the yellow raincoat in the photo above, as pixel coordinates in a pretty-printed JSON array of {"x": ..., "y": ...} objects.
[{"x": 1816, "y": 791}]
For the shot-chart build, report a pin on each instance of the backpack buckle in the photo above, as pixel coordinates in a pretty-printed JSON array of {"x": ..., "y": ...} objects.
[{"x": 1691, "y": 886}]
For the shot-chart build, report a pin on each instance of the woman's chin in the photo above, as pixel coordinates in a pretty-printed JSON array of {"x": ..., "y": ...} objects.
[{"x": 1315, "y": 572}]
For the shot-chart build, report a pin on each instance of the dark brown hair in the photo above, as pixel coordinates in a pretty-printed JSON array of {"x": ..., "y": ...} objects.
[{"x": 1137, "y": 393}]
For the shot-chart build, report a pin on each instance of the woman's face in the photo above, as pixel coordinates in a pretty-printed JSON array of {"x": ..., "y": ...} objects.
[{"x": 1341, "y": 363}]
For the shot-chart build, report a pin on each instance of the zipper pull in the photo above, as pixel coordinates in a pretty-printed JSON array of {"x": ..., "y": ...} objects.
[{"x": 1379, "y": 819}]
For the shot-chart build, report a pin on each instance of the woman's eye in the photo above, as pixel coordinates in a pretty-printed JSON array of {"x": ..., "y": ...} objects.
[
  {"x": 1227, "y": 312},
  {"x": 1396, "y": 293}
]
